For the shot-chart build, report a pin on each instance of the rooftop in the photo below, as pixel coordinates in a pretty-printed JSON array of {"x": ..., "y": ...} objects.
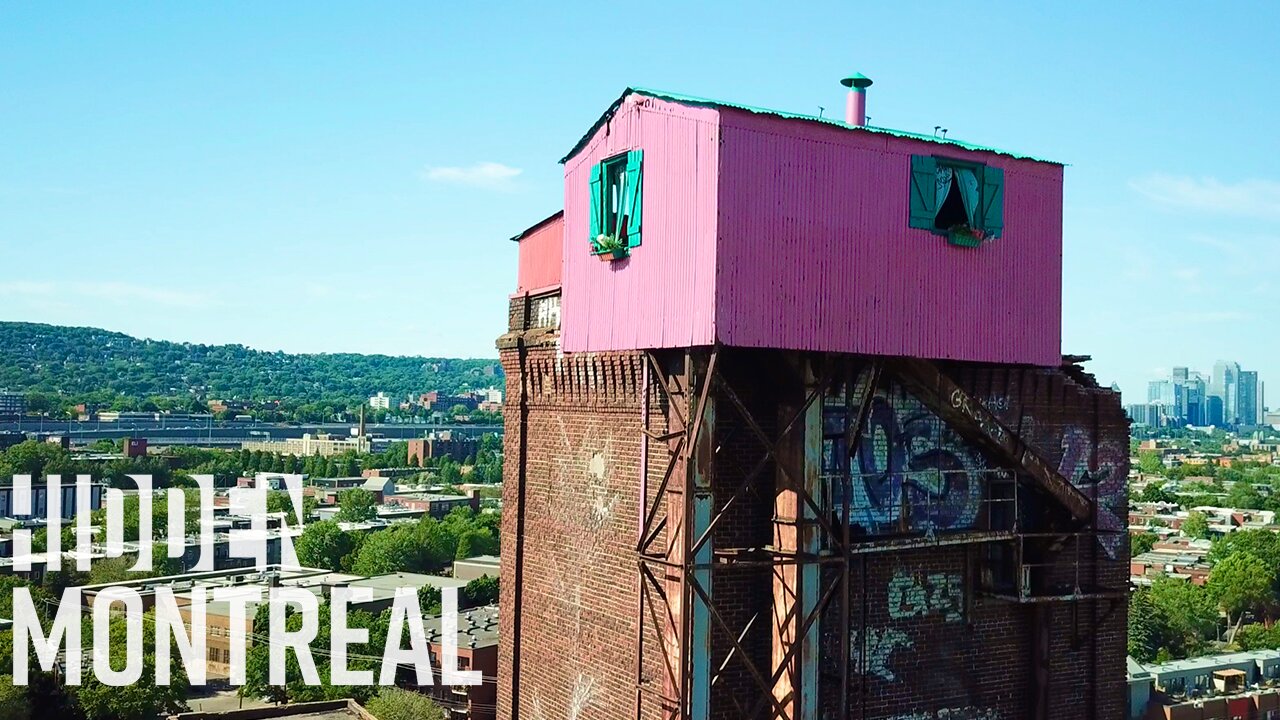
[{"x": 695, "y": 101}]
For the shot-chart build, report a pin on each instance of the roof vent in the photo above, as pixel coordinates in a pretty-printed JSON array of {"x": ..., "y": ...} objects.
[{"x": 855, "y": 105}]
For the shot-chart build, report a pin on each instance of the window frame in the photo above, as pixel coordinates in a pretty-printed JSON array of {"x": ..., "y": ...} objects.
[
  {"x": 617, "y": 180},
  {"x": 987, "y": 217}
]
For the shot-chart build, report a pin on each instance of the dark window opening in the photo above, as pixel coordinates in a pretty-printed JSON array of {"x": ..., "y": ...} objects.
[{"x": 952, "y": 212}]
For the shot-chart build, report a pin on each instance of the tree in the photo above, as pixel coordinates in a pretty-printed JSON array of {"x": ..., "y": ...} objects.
[
  {"x": 143, "y": 700},
  {"x": 430, "y": 600},
  {"x": 1257, "y": 636},
  {"x": 388, "y": 551},
  {"x": 1196, "y": 526},
  {"x": 324, "y": 545},
  {"x": 279, "y": 501},
  {"x": 14, "y": 704},
  {"x": 392, "y": 703},
  {"x": 1187, "y": 612},
  {"x": 1144, "y": 626},
  {"x": 1141, "y": 543},
  {"x": 1155, "y": 492},
  {"x": 481, "y": 591},
  {"x": 1244, "y": 495},
  {"x": 1149, "y": 462},
  {"x": 1263, "y": 544},
  {"x": 357, "y": 505},
  {"x": 1241, "y": 582}
]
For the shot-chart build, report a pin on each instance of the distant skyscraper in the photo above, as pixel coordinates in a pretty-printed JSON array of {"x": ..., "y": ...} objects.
[
  {"x": 1213, "y": 410},
  {"x": 1249, "y": 400},
  {"x": 1225, "y": 385}
]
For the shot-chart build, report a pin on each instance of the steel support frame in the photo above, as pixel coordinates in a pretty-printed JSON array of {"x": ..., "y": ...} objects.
[
  {"x": 675, "y": 549},
  {"x": 686, "y": 393}
]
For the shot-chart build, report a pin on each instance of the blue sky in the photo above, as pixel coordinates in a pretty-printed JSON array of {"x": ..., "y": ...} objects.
[{"x": 344, "y": 177}]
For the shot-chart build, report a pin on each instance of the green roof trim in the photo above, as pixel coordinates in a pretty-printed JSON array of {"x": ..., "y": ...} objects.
[{"x": 707, "y": 102}]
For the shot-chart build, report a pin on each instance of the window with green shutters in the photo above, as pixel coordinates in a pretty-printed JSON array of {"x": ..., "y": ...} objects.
[
  {"x": 962, "y": 200},
  {"x": 616, "y": 187}
]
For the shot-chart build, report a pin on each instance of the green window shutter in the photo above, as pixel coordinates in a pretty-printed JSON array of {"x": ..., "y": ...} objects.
[
  {"x": 993, "y": 200},
  {"x": 597, "y": 203},
  {"x": 924, "y": 202},
  {"x": 632, "y": 201}
]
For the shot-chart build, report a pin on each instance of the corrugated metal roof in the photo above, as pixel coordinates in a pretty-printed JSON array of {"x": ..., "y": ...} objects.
[
  {"x": 707, "y": 102},
  {"x": 529, "y": 230}
]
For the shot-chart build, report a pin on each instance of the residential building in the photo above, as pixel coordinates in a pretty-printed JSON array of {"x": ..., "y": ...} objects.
[
  {"x": 779, "y": 338},
  {"x": 380, "y": 402},
  {"x": 1230, "y": 686},
  {"x": 442, "y": 443},
  {"x": 383, "y": 488},
  {"x": 477, "y": 650},
  {"x": 12, "y": 403},
  {"x": 38, "y": 508},
  {"x": 434, "y": 504}
]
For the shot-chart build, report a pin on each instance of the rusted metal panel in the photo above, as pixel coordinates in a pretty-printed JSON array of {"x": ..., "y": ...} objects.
[{"x": 815, "y": 251}]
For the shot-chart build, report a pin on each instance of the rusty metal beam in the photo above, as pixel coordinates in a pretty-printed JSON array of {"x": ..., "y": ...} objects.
[{"x": 975, "y": 423}]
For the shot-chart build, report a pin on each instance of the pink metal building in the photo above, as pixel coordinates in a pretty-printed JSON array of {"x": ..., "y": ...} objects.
[{"x": 764, "y": 229}]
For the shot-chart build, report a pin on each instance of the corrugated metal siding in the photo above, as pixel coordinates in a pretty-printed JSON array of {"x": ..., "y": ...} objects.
[
  {"x": 664, "y": 294},
  {"x": 815, "y": 252},
  {"x": 541, "y": 255}
]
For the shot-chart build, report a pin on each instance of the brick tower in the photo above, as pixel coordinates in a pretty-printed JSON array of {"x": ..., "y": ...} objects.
[{"x": 789, "y": 433}]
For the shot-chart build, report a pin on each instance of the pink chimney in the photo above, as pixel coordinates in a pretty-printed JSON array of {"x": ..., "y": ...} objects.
[{"x": 855, "y": 106}]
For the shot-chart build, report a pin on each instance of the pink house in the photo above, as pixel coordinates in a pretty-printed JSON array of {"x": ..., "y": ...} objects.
[{"x": 693, "y": 222}]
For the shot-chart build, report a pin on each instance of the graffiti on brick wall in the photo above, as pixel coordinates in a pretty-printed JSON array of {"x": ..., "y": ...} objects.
[
  {"x": 1095, "y": 469},
  {"x": 960, "y": 713},
  {"x": 910, "y": 595},
  {"x": 872, "y": 654},
  {"x": 912, "y": 471},
  {"x": 920, "y": 594}
]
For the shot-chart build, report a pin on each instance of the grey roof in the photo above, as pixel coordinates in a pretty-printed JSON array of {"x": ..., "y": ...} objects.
[{"x": 477, "y": 628}]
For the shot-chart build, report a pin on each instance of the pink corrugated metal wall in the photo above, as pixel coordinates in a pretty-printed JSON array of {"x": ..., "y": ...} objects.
[
  {"x": 815, "y": 252},
  {"x": 541, "y": 253},
  {"x": 664, "y": 294}
]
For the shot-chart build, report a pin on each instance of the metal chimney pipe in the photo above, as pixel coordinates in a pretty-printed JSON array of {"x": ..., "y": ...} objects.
[{"x": 855, "y": 105}]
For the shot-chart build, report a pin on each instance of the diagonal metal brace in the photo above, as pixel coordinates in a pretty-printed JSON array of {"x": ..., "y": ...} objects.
[{"x": 973, "y": 421}]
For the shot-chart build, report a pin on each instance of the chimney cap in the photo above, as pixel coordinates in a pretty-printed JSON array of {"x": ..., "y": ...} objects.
[{"x": 856, "y": 81}]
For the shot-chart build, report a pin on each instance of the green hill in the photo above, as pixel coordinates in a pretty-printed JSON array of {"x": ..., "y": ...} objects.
[{"x": 88, "y": 363}]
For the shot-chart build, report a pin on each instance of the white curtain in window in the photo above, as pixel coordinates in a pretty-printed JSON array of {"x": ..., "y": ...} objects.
[
  {"x": 945, "y": 176},
  {"x": 968, "y": 183}
]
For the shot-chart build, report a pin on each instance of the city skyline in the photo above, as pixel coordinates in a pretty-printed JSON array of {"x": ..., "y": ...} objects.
[
  {"x": 1229, "y": 395},
  {"x": 264, "y": 188}
]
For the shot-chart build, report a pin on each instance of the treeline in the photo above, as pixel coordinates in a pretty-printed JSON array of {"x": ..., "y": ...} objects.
[{"x": 112, "y": 370}]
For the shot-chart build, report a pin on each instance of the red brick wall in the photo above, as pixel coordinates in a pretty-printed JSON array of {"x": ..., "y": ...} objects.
[
  {"x": 929, "y": 645},
  {"x": 578, "y": 574}
]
